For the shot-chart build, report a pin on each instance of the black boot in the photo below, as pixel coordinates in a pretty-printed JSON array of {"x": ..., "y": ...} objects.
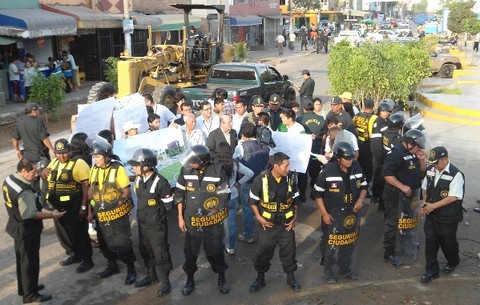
[
  {"x": 165, "y": 285},
  {"x": 222, "y": 284},
  {"x": 131, "y": 274},
  {"x": 112, "y": 268},
  {"x": 189, "y": 286},
  {"x": 292, "y": 282},
  {"x": 259, "y": 282},
  {"x": 150, "y": 279}
]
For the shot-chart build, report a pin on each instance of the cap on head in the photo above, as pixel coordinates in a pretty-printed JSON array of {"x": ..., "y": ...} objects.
[
  {"x": 346, "y": 95},
  {"x": 274, "y": 99},
  {"x": 256, "y": 100},
  {"x": 436, "y": 154},
  {"x": 130, "y": 125},
  {"x": 30, "y": 107},
  {"x": 61, "y": 146},
  {"x": 306, "y": 72},
  {"x": 336, "y": 100}
]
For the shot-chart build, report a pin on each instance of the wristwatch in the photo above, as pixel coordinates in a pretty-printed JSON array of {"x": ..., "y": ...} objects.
[{"x": 84, "y": 207}]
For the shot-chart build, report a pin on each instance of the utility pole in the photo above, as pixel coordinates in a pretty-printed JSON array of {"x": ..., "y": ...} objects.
[{"x": 127, "y": 29}]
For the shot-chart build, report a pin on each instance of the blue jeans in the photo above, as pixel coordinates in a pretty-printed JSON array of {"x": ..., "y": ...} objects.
[
  {"x": 247, "y": 213},
  {"x": 231, "y": 224}
]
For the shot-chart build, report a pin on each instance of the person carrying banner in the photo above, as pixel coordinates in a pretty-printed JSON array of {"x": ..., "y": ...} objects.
[
  {"x": 154, "y": 199},
  {"x": 443, "y": 192},
  {"x": 111, "y": 203},
  {"x": 202, "y": 194},
  {"x": 340, "y": 191}
]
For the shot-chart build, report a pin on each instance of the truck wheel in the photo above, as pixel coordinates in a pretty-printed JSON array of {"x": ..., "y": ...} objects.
[
  {"x": 101, "y": 91},
  {"x": 165, "y": 95},
  {"x": 446, "y": 71}
]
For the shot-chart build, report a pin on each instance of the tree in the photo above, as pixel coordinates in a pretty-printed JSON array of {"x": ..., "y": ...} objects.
[
  {"x": 420, "y": 7},
  {"x": 305, "y": 6},
  {"x": 378, "y": 71},
  {"x": 461, "y": 15},
  {"x": 48, "y": 92}
]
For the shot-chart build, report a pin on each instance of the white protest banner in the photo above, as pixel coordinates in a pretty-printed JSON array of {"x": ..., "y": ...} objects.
[
  {"x": 296, "y": 146},
  {"x": 130, "y": 108},
  {"x": 166, "y": 143},
  {"x": 95, "y": 117}
]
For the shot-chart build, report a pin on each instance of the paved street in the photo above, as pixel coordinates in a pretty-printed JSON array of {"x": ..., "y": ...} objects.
[{"x": 378, "y": 283}]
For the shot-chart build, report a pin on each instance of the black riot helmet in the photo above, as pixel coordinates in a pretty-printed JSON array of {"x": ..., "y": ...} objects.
[
  {"x": 344, "y": 150},
  {"x": 415, "y": 137},
  {"x": 385, "y": 106},
  {"x": 197, "y": 154},
  {"x": 143, "y": 157},
  {"x": 396, "y": 120},
  {"x": 101, "y": 147}
]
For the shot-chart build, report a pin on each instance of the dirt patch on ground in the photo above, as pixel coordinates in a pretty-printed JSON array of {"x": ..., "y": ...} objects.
[{"x": 57, "y": 122}]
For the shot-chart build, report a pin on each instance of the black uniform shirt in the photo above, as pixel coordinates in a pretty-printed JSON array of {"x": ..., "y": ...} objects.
[{"x": 404, "y": 166}]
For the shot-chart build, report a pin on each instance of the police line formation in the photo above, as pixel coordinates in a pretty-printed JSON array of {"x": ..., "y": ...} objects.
[{"x": 227, "y": 164}]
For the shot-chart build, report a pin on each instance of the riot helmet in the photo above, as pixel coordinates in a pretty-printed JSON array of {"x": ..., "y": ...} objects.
[
  {"x": 101, "y": 147},
  {"x": 415, "y": 137},
  {"x": 344, "y": 150},
  {"x": 384, "y": 106},
  {"x": 42, "y": 164},
  {"x": 390, "y": 102},
  {"x": 143, "y": 157},
  {"x": 395, "y": 121},
  {"x": 197, "y": 154}
]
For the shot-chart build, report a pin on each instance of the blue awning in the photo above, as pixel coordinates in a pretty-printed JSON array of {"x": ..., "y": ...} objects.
[
  {"x": 245, "y": 20},
  {"x": 34, "y": 23}
]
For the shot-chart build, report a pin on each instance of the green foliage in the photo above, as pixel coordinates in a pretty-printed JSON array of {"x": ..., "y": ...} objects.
[
  {"x": 472, "y": 26},
  {"x": 461, "y": 15},
  {"x": 304, "y": 6},
  {"x": 241, "y": 50},
  {"x": 420, "y": 7},
  {"x": 48, "y": 92},
  {"x": 378, "y": 71},
  {"x": 111, "y": 72}
]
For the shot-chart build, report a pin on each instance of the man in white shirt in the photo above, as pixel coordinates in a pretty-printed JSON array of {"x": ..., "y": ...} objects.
[
  {"x": 14, "y": 77},
  {"x": 240, "y": 114},
  {"x": 280, "y": 41},
  {"x": 166, "y": 116},
  {"x": 207, "y": 121},
  {"x": 191, "y": 135},
  {"x": 288, "y": 119}
]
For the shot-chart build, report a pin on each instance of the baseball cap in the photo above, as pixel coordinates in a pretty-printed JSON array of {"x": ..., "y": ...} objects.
[
  {"x": 61, "y": 146},
  {"x": 256, "y": 100},
  {"x": 346, "y": 95},
  {"x": 336, "y": 100},
  {"x": 436, "y": 154},
  {"x": 274, "y": 99},
  {"x": 31, "y": 106},
  {"x": 130, "y": 125},
  {"x": 306, "y": 72}
]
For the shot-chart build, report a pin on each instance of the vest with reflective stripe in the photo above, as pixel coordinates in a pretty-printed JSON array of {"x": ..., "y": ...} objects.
[
  {"x": 361, "y": 122},
  {"x": 62, "y": 187},
  {"x": 277, "y": 199}
]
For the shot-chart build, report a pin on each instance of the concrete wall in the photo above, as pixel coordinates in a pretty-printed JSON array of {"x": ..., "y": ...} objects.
[{"x": 8, "y": 4}]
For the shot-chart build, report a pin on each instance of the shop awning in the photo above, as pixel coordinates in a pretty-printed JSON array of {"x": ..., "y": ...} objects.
[
  {"x": 357, "y": 13},
  {"x": 5, "y": 41},
  {"x": 86, "y": 17},
  {"x": 247, "y": 20},
  {"x": 174, "y": 22},
  {"x": 141, "y": 21},
  {"x": 34, "y": 23}
]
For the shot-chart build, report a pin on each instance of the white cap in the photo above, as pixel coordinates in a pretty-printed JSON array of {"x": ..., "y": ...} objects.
[{"x": 130, "y": 125}]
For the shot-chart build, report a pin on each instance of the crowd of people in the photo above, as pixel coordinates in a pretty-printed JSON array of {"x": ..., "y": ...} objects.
[{"x": 228, "y": 165}]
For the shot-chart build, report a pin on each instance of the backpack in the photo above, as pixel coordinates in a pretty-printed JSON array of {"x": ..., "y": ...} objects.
[{"x": 264, "y": 136}]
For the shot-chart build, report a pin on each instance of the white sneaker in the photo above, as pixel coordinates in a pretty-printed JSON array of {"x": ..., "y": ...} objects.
[{"x": 230, "y": 251}]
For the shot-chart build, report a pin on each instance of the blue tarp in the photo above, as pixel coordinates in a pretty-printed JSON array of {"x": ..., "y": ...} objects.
[{"x": 245, "y": 20}]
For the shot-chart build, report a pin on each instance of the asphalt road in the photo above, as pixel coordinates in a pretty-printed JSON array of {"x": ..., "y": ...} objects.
[{"x": 378, "y": 283}]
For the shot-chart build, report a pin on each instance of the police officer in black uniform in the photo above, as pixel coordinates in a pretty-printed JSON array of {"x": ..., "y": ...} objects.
[
  {"x": 376, "y": 147},
  {"x": 154, "y": 197},
  {"x": 391, "y": 136},
  {"x": 202, "y": 196},
  {"x": 68, "y": 190},
  {"x": 443, "y": 191},
  {"x": 274, "y": 199},
  {"x": 363, "y": 122},
  {"x": 340, "y": 184},
  {"x": 111, "y": 204},
  {"x": 25, "y": 225},
  {"x": 404, "y": 167}
]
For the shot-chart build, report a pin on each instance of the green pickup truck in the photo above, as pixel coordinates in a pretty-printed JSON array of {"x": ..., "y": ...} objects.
[{"x": 242, "y": 81}]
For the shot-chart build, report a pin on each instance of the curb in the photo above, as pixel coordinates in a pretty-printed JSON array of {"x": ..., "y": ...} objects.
[
  {"x": 447, "y": 108},
  {"x": 447, "y": 118}
]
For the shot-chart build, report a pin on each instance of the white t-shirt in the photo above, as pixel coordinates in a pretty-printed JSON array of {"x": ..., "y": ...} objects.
[
  {"x": 12, "y": 72},
  {"x": 342, "y": 136},
  {"x": 208, "y": 126},
  {"x": 280, "y": 38},
  {"x": 296, "y": 128},
  {"x": 165, "y": 115}
]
